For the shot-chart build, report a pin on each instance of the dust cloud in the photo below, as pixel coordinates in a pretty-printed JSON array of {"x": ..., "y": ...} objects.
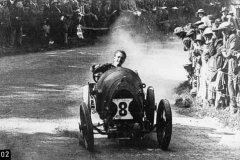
[{"x": 158, "y": 63}]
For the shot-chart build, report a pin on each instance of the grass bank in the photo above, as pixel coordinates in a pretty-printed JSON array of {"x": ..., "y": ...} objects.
[{"x": 194, "y": 107}]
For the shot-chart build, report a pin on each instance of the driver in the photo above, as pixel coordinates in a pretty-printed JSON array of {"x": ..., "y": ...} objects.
[{"x": 118, "y": 60}]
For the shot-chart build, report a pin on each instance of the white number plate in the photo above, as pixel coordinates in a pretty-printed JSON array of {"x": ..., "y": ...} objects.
[{"x": 123, "y": 108}]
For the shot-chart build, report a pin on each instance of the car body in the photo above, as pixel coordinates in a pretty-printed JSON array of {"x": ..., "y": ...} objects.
[{"x": 119, "y": 98}]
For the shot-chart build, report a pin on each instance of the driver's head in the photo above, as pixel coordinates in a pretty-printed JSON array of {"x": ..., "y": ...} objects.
[{"x": 119, "y": 58}]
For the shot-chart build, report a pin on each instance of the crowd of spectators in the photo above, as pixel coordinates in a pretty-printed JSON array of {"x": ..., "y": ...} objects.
[
  {"x": 43, "y": 22},
  {"x": 37, "y": 23},
  {"x": 213, "y": 45}
]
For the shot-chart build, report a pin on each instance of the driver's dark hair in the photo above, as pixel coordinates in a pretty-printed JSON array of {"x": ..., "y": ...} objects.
[{"x": 121, "y": 51}]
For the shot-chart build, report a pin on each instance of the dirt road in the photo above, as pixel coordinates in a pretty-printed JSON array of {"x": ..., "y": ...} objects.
[{"x": 41, "y": 93}]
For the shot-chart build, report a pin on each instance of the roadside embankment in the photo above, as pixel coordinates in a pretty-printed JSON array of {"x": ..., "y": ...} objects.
[{"x": 195, "y": 107}]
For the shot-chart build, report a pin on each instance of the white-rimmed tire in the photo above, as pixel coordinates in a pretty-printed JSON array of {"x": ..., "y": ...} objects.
[{"x": 86, "y": 127}]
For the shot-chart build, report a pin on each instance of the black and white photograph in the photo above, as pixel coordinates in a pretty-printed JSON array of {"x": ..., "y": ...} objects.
[{"x": 119, "y": 79}]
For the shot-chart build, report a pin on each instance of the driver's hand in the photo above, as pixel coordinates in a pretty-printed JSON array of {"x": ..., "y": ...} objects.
[
  {"x": 99, "y": 74},
  {"x": 93, "y": 68}
]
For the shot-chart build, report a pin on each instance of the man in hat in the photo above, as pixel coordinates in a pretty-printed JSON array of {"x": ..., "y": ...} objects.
[
  {"x": 233, "y": 19},
  {"x": 231, "y": 44},
  {"x": 216, "y": 62},
  {"x": 202, "y": 15},
  {"x": 208, "y": 35},
  {"x": 198, "y": 47},
  {"x": 191, "y": 35},
  {"x": 224, "y": 12},
  {"x": 180, "y": 33}
]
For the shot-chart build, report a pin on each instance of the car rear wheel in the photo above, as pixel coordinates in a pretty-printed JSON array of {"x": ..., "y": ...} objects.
[
  {"x": 164, "y": 124},
  {"x": 86, "y": 127}
]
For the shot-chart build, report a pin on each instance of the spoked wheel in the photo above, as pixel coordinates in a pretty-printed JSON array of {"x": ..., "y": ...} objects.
[
  {"x": 86, "y": 127},
  {"x": 164, "y": 124},
  {"x": 150, "y": 106},
  {"x": 86, "y": 96}
]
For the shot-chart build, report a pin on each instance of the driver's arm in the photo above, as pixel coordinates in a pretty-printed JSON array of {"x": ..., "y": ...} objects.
[
  {"x": 104, "y": 67},
  {"x": 94, "y": 67}
]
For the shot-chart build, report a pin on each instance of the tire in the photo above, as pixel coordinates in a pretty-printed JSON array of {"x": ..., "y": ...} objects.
[
  {"x": 150, "y": 106},
  {"x": 86, "y": 127},
  {"x": 164, "y": 124},
  {"x": 86, "y": 96}
]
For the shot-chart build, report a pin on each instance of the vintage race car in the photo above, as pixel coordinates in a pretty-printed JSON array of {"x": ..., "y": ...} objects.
[{"x": 119, "y": 99}]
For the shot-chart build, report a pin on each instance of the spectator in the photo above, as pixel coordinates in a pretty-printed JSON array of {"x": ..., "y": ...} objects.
[
  {"x": 212, "y": 67},
  {"x": 46, "y": 11},
  {"x": 140, "y": 5},
  {"x": 208, "y": 35},
  {"x": 97, "y": 10},
  {"x": 133, "y": 6},
  {"x": 90, "y": 19},
  {"x": 224, "y": 12},
  {"x": 179, "y": 31},
  {"x": 16, "y": 14},
  {"x": 231, "y": 44},
  {"x": 6, "y": 24},
  {"x": 35, "y": 21},
  {"x": 191, "y": 34},
  {"x": 188, "y": 45},
  {"x": 233, "y": 19},
  {"x": 109, "y": 14},
  {"x": 54, "y": 22},
  {"x": 198, "y": 47},
  {"x": 67, "y": 13},
  {"x": 76, "y": 18},
  {"x": 203, "y": 88},
  {"x": 202, "y": 15},
  {"x": 123, "y": 6},
  {"x": 219, "y": 82}
]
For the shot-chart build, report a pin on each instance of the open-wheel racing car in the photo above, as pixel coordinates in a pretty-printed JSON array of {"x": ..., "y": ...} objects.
[{"x": 119, "y": 99}]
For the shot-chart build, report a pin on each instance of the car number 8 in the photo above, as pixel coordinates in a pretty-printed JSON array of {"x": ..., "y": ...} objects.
[
  {"x": 122, "y": 106},
  {"x": 122, "y": 109}
]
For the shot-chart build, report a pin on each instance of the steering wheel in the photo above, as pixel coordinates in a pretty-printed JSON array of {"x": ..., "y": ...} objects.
[
  {"x": 96, "y": 76},
  {"x": 97, "y": 73}
]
